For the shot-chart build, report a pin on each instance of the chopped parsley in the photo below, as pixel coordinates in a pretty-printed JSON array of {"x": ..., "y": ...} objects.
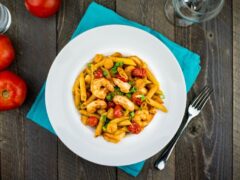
[
  {"x": 89, "y": 65},
  {"x": 118, "y": 64},
  {"x": 109, "y": 96},
  {"x": 132, "y": 114},
  {"x": 103, "y": 118},
  {"x": 129, "y": 95},
  {"x": 131, "y": 83},
  {"x": 105, "y": 124},
  {"x": 114, "y": 68},
  {"x": 116, "y": 88},
  {"x": 133, "y": 90},
  {"x": 105, "y": 73},
  {"x": 143, "y": 97},
  {"x": 117, "y": 91}
]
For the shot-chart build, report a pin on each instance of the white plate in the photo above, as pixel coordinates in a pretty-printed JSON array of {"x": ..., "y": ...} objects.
[{"x": 66, "y": 120}]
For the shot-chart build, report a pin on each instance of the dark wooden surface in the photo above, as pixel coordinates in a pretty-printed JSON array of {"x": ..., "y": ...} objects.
[{"x": 209, "y": 149}]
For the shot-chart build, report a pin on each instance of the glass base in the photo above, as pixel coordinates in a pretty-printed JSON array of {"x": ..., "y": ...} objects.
[
  {"x": 173, "y": 17},
  {"x": 5, "y": 19}
]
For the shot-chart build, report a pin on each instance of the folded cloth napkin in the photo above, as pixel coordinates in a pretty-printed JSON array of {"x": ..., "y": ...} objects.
[{"x": 97, "y": 15}]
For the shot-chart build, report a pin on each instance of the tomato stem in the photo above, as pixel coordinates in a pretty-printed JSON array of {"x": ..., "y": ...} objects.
[{"x": 5, "y": 94}]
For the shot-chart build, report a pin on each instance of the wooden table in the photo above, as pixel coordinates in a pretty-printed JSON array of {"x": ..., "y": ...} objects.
[{"x": 210, "y": 147}]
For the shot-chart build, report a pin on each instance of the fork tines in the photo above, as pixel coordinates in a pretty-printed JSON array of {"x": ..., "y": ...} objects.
[{"x": 200, "y": 101}]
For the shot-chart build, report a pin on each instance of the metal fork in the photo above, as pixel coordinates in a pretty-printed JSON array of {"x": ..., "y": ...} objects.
[{"x": 193, "y": 110}]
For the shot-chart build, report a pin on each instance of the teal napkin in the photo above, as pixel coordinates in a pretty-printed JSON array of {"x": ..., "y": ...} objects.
[{"x": 97, "y": 15}]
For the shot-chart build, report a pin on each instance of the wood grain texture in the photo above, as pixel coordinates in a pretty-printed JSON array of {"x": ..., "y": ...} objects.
[
  {"x": 150, "y": 13},
  {"x": 209, "y": 149},
  {"x": 205, "y": 152},
  {"x": 24, "y": 143},
  {"x": 71, "y": 166},
  {"x": 236, "y": 90}
]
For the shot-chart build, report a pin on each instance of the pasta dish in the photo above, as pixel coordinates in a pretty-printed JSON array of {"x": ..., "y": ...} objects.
[{"x": 117, "y": 95}]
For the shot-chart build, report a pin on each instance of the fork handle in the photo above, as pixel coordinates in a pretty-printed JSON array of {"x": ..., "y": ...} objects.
[{"x": 166, "y": 152}]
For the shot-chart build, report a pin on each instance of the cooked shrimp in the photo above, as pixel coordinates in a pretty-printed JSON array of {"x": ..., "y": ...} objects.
[
  {"x": 100, "y": 87},
  {"x": 141, "y": 115},
  {"x": 116, "y": 137},
  {"x": 124, "y": 86},
  {"x": 124, "y": 102},
  {"x": 98, "y": 104}
]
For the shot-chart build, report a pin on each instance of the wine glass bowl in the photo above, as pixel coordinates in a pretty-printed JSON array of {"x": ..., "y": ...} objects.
[{"x": 187, "y": 12}]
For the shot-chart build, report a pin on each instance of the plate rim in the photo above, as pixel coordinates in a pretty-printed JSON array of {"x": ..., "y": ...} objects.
[{"x": 76, "y": 39}]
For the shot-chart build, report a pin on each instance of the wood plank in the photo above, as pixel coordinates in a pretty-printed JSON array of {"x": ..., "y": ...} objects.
[
  {"x": 236, "y": 89},
  {"x": 149, "y": 13},
  {"x": 29, "y": 152},
  {"x": 71, "y": 166},
  {"x": 205, "y": 151}
]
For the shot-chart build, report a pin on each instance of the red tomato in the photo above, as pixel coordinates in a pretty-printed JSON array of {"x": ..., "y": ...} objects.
[
  {"x": 42, "y": 8},
  {"x": 134, "y": 128},
  {"x": 118, "y": 111},
  {"x": 7, "y": 53},
  {"x": 92, "y": 121},
  {"x": 137, "y": 100},
  {"x": 139, "y": 72},
  {"x": 13, "y": 90},
  {"x": 98, "y": 73},
  {"x": 121, "y": 78},
  {"x": 110, "y": 104}
]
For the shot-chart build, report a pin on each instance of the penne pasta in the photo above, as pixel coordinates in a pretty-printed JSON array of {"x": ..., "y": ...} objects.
[
  {"x": 99, "y": 64},
  {"x": 156, "y": 105},
  {"x": 137, "y": 60},
  {"x": 98, "y": 58},
  {"x": 126, "y": 61},
  {"x": 110, "y": 114},
  {"x": 126, "y": 113},
  {"x": 152, "y": 91},
  {"x": 151, "y": 77},
  {"x": 114, "y": 100},
  {"x": 101, "y": 122},
  {"x": 77, "y": 99},
  {"x": 117, "y": 120},
  {"x": 108, "y": 63},
  {"x": 125, "y": 123},
  {"x": 83, "y": 88},
  {"x": 87, "y": 79},
  {"x": 116, "y": 54},
  {"x": 85, "y": 113},
  {"x": 84, "y": 119},
  {"x": 76, "y": 85}
]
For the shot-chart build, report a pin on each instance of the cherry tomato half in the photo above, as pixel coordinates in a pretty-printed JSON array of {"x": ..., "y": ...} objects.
[
  {"x": 121, "y": 78},
  {"x": 134, "y": 128},
  {"x": 136, "y": 99},
  {"x": 98, "y": 73},
  {"x": 139, "y": 72},
  {"x": 7, "y": 53},
  {"x": 13, "y": 90},
  {"x": 43, "y": 8},
  {"x": 92, "y": 121},
  {"x": 118, "y": 111},
  {"x": 110, "y": 104}
]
